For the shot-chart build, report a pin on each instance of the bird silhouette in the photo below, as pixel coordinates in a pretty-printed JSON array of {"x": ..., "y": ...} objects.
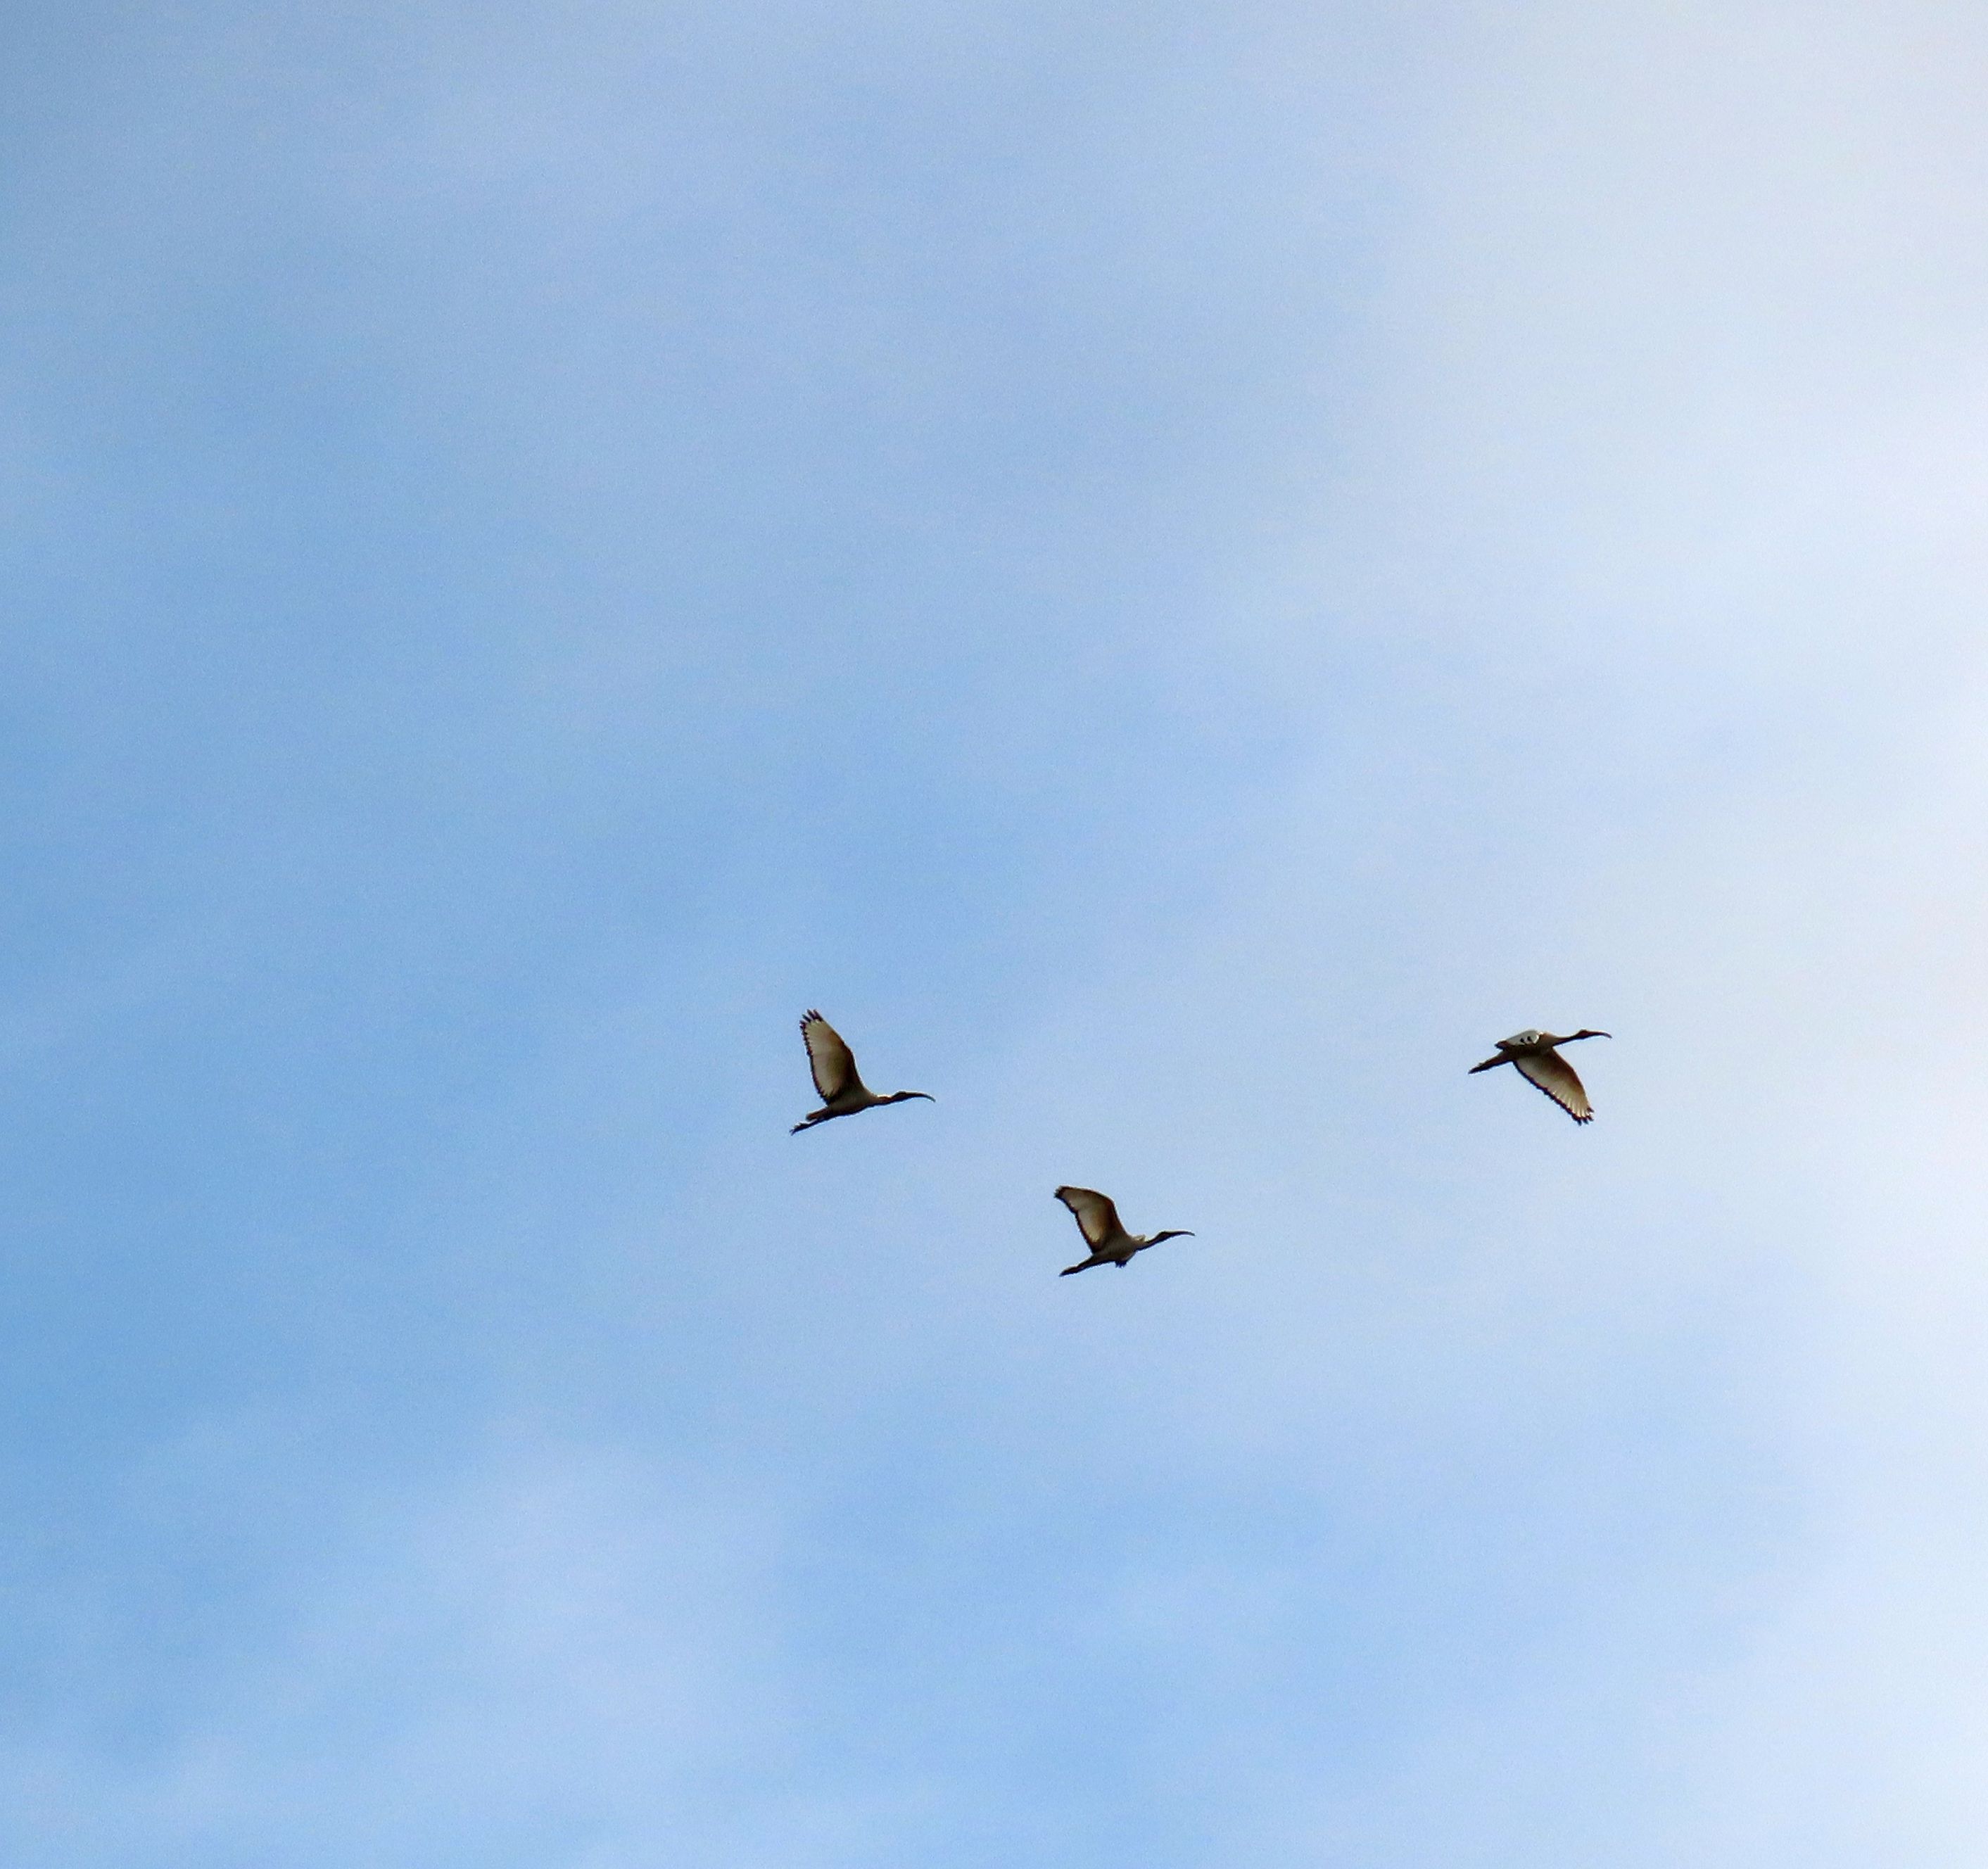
[
  {"x": 841, "y": 1089},
  {"x": 1531, "y": 1053},
  {"x": 1105, "y": 1232}
]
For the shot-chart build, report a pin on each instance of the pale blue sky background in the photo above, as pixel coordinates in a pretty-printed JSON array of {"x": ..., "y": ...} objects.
[{"x": 1178, "y": 571}]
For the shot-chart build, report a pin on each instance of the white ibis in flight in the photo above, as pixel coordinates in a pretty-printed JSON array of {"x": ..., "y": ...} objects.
[
  {"x": 843, "y": 1092},
  {"x": 1105, "y": 1232},
  {"x": 1532, "y": 1055}
]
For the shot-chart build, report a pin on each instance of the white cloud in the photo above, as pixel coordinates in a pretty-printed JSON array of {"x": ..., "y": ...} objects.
[
  {"x": 1598, "y": 641},
  {"x": 562, "y": 1656}
]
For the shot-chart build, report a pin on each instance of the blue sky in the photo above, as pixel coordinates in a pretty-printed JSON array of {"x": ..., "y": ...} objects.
[{"x": 1179, "y": 572}]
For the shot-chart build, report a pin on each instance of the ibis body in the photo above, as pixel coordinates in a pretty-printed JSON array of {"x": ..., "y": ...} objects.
[
  {"x": 1105, "y": 1232},
  {"x": 1532, "y": 1054},
  {"x": 836, "y": 1080}
]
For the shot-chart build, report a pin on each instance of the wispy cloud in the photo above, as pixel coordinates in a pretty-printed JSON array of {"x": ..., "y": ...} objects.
[{"x": 1179, "y": 577}]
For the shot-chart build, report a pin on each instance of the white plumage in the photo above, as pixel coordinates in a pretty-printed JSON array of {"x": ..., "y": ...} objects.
[
  {"x": 836, "y": 1080},
  {"x": 1105, "y": 1232},
  {"x": 1531, "y": 1053}
]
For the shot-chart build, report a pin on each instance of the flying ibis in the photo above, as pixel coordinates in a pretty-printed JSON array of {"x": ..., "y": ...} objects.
[
  {"x": 1105, "y": 1232},
  {"x": 1532, "y": 1055},
  {"x": 843, "y": 1092}
]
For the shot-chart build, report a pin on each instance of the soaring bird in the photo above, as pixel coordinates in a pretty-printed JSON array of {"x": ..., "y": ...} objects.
[
  {"x": 1105, "y": 1232},
  {"x": 1532, "y": 1055},
  {"x": 843, "y": 1092}
]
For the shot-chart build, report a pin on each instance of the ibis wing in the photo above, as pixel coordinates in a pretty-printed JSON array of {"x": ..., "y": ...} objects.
[
  {"x": 1552, "y": 1074},
  {"x": 1097, "y": 1219},
  {"x": 829, "y": 1059}
]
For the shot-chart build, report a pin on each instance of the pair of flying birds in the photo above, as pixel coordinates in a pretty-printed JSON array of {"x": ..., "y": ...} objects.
[{"x": 843, "y": 1093}]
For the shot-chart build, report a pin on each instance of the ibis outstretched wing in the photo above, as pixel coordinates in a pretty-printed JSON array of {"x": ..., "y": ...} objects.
[
  {"x": 829, "y": 1059},
  {"x": 1097, "y": 1219},
  {"x": 1552, "y": 1074}
]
